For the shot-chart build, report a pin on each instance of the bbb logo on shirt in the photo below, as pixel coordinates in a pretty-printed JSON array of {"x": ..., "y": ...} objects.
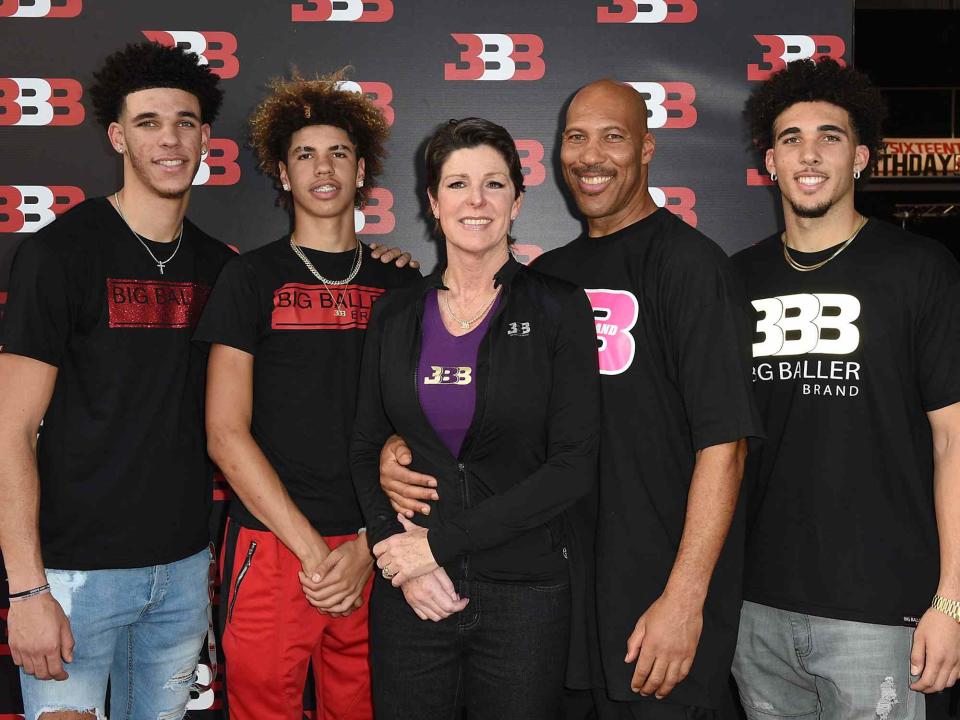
[
  {"x": 518, "y": 329},
  {"x": 449, "y": 376}
]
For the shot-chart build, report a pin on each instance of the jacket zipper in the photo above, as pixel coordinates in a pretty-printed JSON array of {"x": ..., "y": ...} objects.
[{"x": 240, "y": 576}]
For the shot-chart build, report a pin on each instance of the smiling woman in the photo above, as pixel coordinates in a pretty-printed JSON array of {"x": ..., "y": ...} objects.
[{"x": 503, "y": 413}]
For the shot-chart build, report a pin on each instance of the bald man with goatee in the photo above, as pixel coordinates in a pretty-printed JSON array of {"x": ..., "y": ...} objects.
[{"x": 673, "y": 336}]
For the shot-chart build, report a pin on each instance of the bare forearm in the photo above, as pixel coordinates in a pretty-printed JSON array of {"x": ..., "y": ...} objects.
[
  {"x": 256, "y": 483},
  {"x": 711, "y": 502},
  {"x": 946, "y": 493},
  {"x": 19, "y": 518}
]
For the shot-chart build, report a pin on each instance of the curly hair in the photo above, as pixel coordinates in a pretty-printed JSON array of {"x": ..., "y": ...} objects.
[
  {"x": 825, "y": 80},
  {"x": 147, "y": 65},
  {"x": 296, "y": 103}
]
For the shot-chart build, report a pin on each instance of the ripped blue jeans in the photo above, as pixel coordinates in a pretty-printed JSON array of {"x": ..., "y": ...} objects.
[{"x": 141, "y": 627}]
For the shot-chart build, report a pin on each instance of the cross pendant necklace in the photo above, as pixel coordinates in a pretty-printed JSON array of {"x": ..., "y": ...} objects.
[{"x": 160, "y": 263}]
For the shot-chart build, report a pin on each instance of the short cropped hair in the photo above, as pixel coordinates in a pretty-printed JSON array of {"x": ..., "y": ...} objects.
[
  {"x": 297, "y": 103},
  {"x": 148, "y": 65},
  {"x": 471, "y": 132},
  {"x": 825, "y": 80}
]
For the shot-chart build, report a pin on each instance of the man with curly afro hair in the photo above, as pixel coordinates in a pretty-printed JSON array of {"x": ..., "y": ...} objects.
[
  {"x": 852, "y": 572},
  {"x": 108, "y": 565},
  {"x": 285, "y": 324}
]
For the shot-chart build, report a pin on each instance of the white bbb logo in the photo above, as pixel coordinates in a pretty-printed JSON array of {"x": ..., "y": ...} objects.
[
  {"x": 807, "y": 323},
  {"x": 521, "y": 329}
]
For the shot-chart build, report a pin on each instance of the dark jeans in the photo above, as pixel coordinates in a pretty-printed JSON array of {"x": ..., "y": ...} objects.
[
  {"x": 502, "y": 658},
  {"x": 595, "y": 705}
]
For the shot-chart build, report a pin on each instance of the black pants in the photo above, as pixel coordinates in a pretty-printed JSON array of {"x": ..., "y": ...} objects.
[
  {"x": 502, "y": 658},
  {"x": 595, "y": 705}
]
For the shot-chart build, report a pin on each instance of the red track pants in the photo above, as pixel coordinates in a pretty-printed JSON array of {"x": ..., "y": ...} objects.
[{"x": 271, "y": 633}]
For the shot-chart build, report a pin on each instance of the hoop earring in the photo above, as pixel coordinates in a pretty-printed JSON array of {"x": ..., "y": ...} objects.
[
  {"x": 856, "y": 174},
  {"x": 773, "y": 177}
]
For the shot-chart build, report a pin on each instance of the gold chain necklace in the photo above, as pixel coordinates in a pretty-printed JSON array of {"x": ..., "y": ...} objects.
[
  {"x": 465, "y": 324},
  {"x": 338, "y": 310},
  {"x": 816, "y": 266}
]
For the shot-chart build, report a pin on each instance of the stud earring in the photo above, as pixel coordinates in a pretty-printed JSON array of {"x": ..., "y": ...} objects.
[
  {"x": 203, "y": 149},
  {"x": 120, "y": 149},
  {"x": 773, "y": 177},
  {"x": 359, "y": 182},
  {"x": 286, "y": 187}
]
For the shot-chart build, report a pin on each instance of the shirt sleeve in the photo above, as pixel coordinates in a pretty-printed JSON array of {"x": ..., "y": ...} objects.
[
  {"x": 937, "y": 338},
  {"x": 708, "y": 330},
  {"x": 233, "y": 314},
  {"x": 39, "y": 316},
  {"x": 570, "y": 469}
]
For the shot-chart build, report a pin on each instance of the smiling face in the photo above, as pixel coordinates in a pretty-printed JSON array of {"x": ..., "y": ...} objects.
[
  {"x": 605, "y": 155},
  {"x": 814, "y": 155},
  {"x": 322, "y": 170},
  {"x": 475, "y": 200},
  {"x": 161, "y": 135}
]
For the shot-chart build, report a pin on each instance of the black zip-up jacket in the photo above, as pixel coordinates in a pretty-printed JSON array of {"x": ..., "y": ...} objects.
[{"x": 531, "y": 449}]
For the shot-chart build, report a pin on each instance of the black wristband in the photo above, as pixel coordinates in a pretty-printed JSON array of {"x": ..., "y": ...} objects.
[{"x": 29, "y": 593}]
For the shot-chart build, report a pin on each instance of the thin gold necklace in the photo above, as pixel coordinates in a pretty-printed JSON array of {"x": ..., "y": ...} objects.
[
  {"x": 465, "y": 324},
  {"x": 816, "y": 266},
  {"x": 338, "y": 309}
]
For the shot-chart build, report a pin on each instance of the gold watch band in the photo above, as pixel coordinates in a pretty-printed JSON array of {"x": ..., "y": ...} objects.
[{"x": 947, "y": 607}]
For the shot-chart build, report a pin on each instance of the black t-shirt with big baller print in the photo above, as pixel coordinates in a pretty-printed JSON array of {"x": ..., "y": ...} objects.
[
  {"x": 124, "y": 476},
  {"x": 306, "y": 366},
  {"x": 848, "y": 359}
]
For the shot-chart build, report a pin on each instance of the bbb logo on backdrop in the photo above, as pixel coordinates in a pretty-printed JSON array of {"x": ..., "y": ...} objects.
[
  {"x": 377, "y": 216},
  {"x": 648, "y": 11},
  {"x": 778, "y": 50},
  {"x": 40, "y": 8},
  {"x": 497, "y": 56},
  {"x": 219, "y": 166},
  {"x": 27, "y": 208},
  {"x": 531, "y": 161},
  {"x": 40, "y": 101},
  {"x": 215, "y": 49},
  {"x": 669, "y": 104},
  {"x": 342, "y": 11},
  {"x": 379, "y": 93},
  {"x": 678, "y": 200}
]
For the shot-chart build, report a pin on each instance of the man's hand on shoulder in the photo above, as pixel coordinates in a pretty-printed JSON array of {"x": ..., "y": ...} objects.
[
  {"x": 663, "y": 644},
  {"x": 935, "y": 659},
  {"x": 40, "y": 637},
  {"x": 393, "y": 255}
]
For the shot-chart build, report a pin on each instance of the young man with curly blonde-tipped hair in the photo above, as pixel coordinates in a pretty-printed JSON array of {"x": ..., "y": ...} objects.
[{"x": 285, "y": 323}]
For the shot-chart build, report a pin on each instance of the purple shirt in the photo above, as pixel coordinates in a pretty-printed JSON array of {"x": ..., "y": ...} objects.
[{"x": 446, "y": 375}]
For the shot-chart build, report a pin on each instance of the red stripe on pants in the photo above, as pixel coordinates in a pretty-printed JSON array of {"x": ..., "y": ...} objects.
[{"x": 272, "y": 633}]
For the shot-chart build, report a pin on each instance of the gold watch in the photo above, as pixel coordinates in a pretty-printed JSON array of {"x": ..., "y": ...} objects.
[{"x": 947, "y": 607}]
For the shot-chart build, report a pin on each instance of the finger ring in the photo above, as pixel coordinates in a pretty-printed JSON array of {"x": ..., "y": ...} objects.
[{"x": 387, "y": 575}]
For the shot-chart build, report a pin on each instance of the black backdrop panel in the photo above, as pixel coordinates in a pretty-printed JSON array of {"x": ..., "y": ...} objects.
[{"x": 424, "y": 61}]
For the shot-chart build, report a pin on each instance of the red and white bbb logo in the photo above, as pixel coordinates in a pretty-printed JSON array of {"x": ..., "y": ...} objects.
[
  {"x": 678, "y": 200},
  {"x": 495, "y": 56},
  {"x": 531, "y": 161},
  {"x": 40, "y": 101},
  {"x": 782, "y": 49},
  {"x": 27, "y": 208},
  {"x": 650, "y": 11},
  {"x": 345, "y": 11},
  {"x": 40, "y": 8},
  {"x": 377, "y": 217},
  {"x": 219, "y": 167},
  {"x": 379, "y": 93},
  {"x": 215, "y": 49},
  {"x": 669, "y": 104}
]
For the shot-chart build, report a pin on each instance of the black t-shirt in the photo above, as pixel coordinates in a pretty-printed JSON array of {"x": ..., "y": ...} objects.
[
  {"x": 674, "y": 346},
  {"x": 124, "y": 474},
  {"x": 848, "y": 359},
  {"x": 306, "y": 367}
]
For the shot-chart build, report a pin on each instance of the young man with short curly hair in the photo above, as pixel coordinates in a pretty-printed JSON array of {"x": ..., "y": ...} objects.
[
  {"x": 104, "y": 518},
  {"x": 854, "y": 528},
  {"x": 286, "y": 323}
]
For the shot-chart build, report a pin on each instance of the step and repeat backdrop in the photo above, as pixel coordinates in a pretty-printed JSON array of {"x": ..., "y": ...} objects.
[{"x": 422, "y": 62}]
